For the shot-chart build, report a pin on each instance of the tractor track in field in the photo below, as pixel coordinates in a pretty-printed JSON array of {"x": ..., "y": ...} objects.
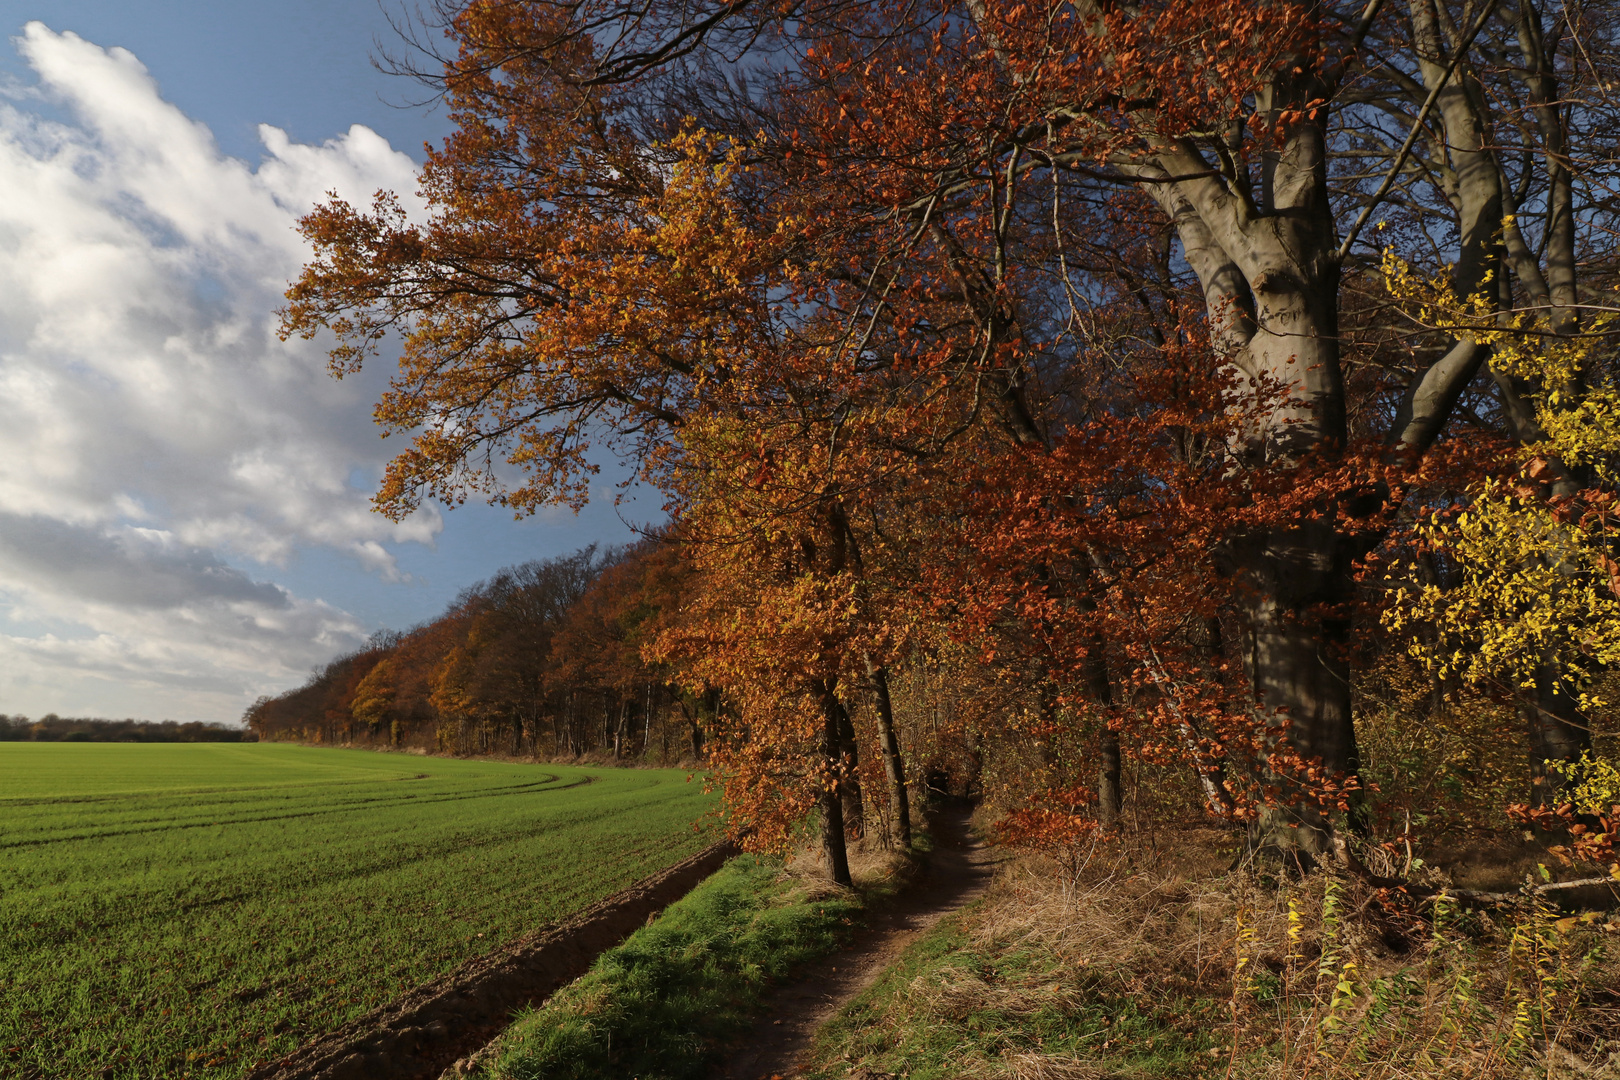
[{"x": 427, "y": 1032}]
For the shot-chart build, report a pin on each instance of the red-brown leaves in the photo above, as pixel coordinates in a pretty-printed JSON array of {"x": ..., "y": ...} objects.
[{"x": 887, "y": 302}]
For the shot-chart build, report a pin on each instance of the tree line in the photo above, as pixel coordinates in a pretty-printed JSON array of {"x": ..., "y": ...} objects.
[
  {"x": 1056, "y": 390},
  {"x": 544, "y": 658},
  {"x": 53, "y": 728}
]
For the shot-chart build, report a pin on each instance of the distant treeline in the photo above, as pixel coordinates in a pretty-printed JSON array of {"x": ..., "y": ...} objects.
[
  {"x": 542, "y": 659},
  {"x": 53, "y": 728}
]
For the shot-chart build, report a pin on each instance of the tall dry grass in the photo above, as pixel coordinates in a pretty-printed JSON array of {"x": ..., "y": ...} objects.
[{"x": 1242, "y": 974}]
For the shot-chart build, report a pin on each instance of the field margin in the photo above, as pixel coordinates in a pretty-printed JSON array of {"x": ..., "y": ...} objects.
[{"x": 422, "y": 1034}]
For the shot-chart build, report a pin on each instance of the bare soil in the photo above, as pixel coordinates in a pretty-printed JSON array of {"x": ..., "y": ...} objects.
[
  {"x": 958, "y": 871},
  {"x": 424, "y": 1033}
]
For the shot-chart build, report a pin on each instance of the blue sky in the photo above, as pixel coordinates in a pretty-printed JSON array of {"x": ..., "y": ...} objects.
[
  {"x": 184, "y": 521},
  {"x": 301, "y": 65}
]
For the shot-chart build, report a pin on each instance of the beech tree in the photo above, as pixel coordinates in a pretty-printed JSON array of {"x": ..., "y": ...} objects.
[
  {"x": 542, "y": 658},
  {"x": 907, "y": 242}
]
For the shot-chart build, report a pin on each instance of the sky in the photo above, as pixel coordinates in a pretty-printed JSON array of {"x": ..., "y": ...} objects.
[{"x": 185, "y": 517}]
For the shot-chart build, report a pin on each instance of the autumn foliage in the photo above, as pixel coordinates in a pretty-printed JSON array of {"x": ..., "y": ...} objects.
[
  {"x": 543, "y": 659},
  {"x": 1042, "y": 393}
]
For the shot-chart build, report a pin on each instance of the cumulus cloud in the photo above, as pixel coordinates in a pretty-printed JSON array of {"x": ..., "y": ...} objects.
[{"x": 156, "y": 434}]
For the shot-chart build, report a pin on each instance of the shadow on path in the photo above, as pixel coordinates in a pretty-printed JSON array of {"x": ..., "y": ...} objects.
[{"x": 957, "y": 872}]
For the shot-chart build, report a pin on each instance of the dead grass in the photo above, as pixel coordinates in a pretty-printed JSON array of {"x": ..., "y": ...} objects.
[
  {"x": 1076, "y": 968},
  {"x": 877, "y": 870}
]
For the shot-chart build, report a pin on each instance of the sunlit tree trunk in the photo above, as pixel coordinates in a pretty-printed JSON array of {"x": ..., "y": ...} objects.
[{"x": 1268, "y": 264}]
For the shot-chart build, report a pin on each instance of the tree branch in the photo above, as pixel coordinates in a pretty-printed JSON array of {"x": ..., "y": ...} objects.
[{"x": 1417, "y": 128}]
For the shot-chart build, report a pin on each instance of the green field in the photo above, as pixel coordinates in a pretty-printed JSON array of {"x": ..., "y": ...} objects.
[{"x": 174, "y": 910}]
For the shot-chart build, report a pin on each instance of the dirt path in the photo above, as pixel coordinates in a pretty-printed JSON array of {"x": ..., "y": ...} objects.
[{"x": 958, "y": 872}]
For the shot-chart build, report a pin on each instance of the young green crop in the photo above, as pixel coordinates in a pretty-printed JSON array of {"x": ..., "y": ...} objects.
[{"x": 185, "y": 910}]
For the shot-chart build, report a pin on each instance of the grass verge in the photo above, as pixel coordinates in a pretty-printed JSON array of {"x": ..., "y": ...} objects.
[
  {"x": 962, "y": 1004},
  {"x": 665, "y": 1004},
  {"x": 1183, "y": 970}
]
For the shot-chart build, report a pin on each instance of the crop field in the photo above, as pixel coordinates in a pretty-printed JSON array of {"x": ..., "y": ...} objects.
[{"x": 188, "y": 910}]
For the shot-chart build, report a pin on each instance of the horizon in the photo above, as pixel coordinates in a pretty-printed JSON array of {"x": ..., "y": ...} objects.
[{"x": 187, "y": 523}]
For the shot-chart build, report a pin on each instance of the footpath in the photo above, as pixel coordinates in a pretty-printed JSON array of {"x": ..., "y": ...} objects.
[
  {"x": 443, "y": 1028},
  {"x": 957, "y": 873}
]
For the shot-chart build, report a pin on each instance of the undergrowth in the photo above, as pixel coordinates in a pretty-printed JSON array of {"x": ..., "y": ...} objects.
[
  {"x": 665, "y": 1003},
  {"x": 1186, "y": 970}
]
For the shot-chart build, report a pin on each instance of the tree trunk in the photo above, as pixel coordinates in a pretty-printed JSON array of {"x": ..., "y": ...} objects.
[
  {"x": 1558, "y": 733},
  {"x": 710, "y": 705},
  {"x": 1110, "y": 799},
  {"x": 894, "y": 764},
  {"x": 1297, "y": 574},
  {"x": 1109, "y": 796},
  {"x": 1491, "y": 237},
  {"x": 850, "y": 784},
  {"x": 1299, "y": 669},
  {"x": 832, "y": 785},
  {"x": 1272, "y": 265}
]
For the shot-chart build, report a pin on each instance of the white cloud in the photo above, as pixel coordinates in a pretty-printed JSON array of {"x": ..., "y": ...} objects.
[{"x": 155, "y": 432}]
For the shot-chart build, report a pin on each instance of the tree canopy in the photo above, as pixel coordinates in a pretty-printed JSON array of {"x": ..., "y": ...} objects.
[{"x": 1155, "y": 367}]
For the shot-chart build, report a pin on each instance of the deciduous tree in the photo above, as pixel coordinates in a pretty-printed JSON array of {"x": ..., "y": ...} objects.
[{"x": 922, "y": 252}]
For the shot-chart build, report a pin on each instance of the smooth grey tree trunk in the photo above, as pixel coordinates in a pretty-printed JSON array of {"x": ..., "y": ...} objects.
[
  {"x": 1275, "y": 262},
  {"x": 1491, "y": 244},
  {"x": 1268, "y": 263}
]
